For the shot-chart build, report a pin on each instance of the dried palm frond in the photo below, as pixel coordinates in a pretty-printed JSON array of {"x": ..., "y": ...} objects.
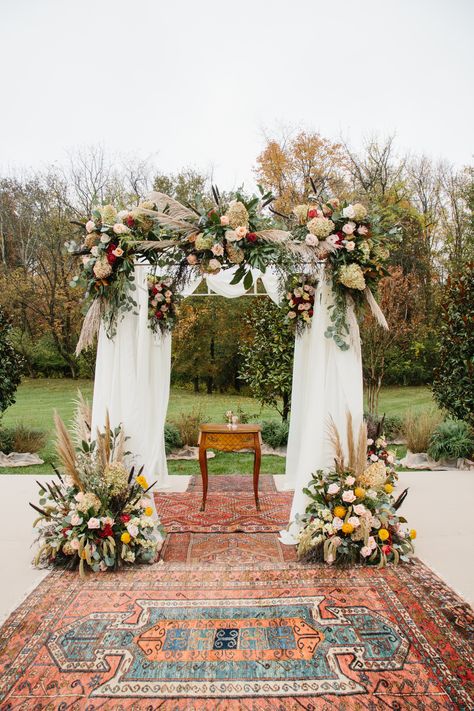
[
  {"x": 277, "y": 236},
  {"x": 156, "y": 246},
  {"x": 119, "y": 449},
  {"x": 90, "y": 326},
  {"x": 66, "y": 451},
  {"x": 375, "y": 308},
  {"x": 101, "y": 449},
  {"x": 173, "y": 207},
  {"x": 361, "y": 451},
  {"x": 351, "y": 450},
  {"x": 107, "y": 436},
  {"x": 81, "y": 425},
  {"x": 335, "y": 440},
  {"x": 168, "y": 221}
]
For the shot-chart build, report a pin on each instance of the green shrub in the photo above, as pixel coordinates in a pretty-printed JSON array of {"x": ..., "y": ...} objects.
[
  {"x": 452, "y": 439},
  {"x": 172, "y": 438},
  {"x": 6, "y": 440},
  {"x": 453, "y": 380},
  {"x": 275, "y": 433}
]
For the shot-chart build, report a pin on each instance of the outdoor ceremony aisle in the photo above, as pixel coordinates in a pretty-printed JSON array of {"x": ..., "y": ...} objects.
[{"x": 229, "y": 620}]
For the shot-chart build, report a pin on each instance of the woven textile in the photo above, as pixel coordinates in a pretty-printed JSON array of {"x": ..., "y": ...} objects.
[{"x": 276, "y": 636}]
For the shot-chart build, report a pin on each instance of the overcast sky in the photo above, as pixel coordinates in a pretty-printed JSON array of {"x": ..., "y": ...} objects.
[{"x": 200, "y": 82}]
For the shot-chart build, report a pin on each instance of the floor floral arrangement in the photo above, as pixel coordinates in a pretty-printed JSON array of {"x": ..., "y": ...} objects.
[
  {"x": 353, "y": 516},
  {"x": 98, "y": 514}
]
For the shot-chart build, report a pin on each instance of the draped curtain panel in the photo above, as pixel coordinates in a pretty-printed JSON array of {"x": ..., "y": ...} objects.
[
  {"x": 132, "y": 376},
  {"x": 327, "y": 383}
]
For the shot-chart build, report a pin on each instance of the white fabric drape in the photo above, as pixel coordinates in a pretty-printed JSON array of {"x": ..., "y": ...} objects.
[
  {"x": 132, "y": 377},
  {"x": 327, "y": 383}
]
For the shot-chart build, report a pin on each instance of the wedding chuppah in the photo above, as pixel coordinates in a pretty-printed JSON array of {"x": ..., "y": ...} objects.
[{"x": 285, "y": 596}]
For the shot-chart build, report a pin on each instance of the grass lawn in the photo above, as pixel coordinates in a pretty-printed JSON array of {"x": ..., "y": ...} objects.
[{"x": 37, "y": 399}]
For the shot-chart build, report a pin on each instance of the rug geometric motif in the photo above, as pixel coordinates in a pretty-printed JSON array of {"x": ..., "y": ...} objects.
[
  {"x": 270, "y": 637},
  {"x": 230, "y": 548}
]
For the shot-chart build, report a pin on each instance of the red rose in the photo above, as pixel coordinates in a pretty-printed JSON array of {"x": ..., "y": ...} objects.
[
  {"x": 211, "y": 212},
  {"x": 111, "y": 258},
  {"x": 312, "y": 213},
  {"x": 125, "y": 518},
  {"x": 106, "y": 531},
  {"x": 251, "y": 237},
  {"x": 129, "y": 221},
  {"x": 154, "y": 290},
  {"x": 341, "y": 235},
  {"x": 310, "y": 312},
  {"x": 159, "y": 315},
  {"x": 386, "y": 549}
]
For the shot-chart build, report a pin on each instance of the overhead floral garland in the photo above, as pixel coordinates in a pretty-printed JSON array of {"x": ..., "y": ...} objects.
[{"x": 239, "y": 232}]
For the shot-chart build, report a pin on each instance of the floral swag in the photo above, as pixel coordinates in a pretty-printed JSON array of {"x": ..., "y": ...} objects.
[{"x": 238, "y": 232}]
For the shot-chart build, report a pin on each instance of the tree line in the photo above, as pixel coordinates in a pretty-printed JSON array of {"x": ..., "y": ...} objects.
[{"x": 431, "y": 201}]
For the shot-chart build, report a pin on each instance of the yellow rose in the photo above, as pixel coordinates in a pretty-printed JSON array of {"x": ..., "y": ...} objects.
[
  {"x": 388, "y": 488},
  {"x": 141, "y": 481},
  {"x": 347, "y": 528},
  {"x": 412, "y": 534},
  {"x": 383, "y": 534},
  {"x": 148, "y": 511},
  {"x": 339, "y": 511},
  {"x": 125, "y": 537},
  {"x": 359, "y": 492}
]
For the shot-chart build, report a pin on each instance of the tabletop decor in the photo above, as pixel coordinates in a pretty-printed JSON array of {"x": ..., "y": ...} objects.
[{"x": 98, "y": 514}]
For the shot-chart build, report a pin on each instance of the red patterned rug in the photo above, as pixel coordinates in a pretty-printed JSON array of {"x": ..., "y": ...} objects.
[
  {"x": 230, "y": 507},
  {"x": 229, "y": 548},
  {"x": 215, "y": 638}
]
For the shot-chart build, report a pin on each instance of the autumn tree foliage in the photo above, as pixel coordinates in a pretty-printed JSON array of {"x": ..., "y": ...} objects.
[{"x": 292, "y": 165}]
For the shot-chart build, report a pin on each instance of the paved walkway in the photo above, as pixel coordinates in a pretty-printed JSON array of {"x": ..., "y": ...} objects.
[{"x": 439, "y": 506}]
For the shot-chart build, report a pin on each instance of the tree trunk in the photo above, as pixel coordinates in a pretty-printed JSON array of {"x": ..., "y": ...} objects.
[
  {"x": 286, "y": 407},
  {"x": 209, "y": 384},
  {"x": 196, "y": 384}
]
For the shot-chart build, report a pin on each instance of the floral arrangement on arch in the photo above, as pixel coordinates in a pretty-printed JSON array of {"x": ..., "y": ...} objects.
[
  {"x": 163, "y": 299},
  {"x": 235, "y": 232},
  {"x": 353, "y": 516},
  {"x": 98, "y": 515},
  {"x": 108, "y": 251},
  {"x": 356, "y": 249},
  {"x": 298, "y": 302}
]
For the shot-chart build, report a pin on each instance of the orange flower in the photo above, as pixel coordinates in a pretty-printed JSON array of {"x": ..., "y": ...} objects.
[
  {"x": 347, "y": 528},
  {"x": 339, "y": 511}
]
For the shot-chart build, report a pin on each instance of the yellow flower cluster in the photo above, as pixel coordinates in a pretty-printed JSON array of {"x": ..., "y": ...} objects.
[
  {"x": 374, "y": 476},
  {"x": 87, "y": 502},
  {"x": 351, "y": 275},
  {"x": 141, "y": 481}
]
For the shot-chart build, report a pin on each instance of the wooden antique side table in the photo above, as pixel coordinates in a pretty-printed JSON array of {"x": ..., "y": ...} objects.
[{"x": 224, "y": 439}]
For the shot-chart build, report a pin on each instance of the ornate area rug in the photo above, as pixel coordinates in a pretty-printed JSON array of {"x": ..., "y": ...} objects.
[
  {"x": 228, "y": 508},
  {"x": 229, "y": 548},
  {"x": 177, "y": 638}
]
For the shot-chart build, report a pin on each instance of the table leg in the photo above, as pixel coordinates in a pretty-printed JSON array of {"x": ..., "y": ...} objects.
[
  {"x": 256, "y": 474},
  {"x": 203, "y": 466}
]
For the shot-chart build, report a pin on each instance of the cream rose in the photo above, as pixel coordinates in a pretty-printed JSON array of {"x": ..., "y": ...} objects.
[
  {"x": 120, "y": 229},
  {"x": 349, "y": 212},
  {"x": 90, "y": 226},
  {"x": 240, "y": 232},
  {"x": 349, "y": 228},
  {"x": 311, "y": 240},
  {"x": 217, "y": 249},
  {"x": 117, "y": 252},
  {"x": 224, "y": 220}
]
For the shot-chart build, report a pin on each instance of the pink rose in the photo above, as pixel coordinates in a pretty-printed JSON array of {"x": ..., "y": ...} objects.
[
  {"x": 374, "y": 458},
  {"x": 191, "y": 259},
  {"x": 371, "y": 542},
  {"x": 75, "y": 544},
  {"x": 365, "y": 551},
  {"x": 118, "y": 251},
  {"x": 350, "y": 246},
  {"x": 333, "y": 240},
  {"x": 85, "y": 259},
  {"x": 76, "y": 520},
  {"x": 291, "y": 314},
  {"x": 90, "y": 226},
  {"x": 217, "y": 249},
  {"x": 349, "y": 228},
  {"x": 348, "y": 496},
  {"x": 362, "y": 230},
  {"x": 168, "y": 294},
  {"x": 359, "y": 509},
  {"x": 224, "y": 220},
  {"x": 240, "y": 232},
  {"x": 311, "y": 240},
  {"x": 132, "y": 529},
  {"x": 349, "y": 480},
  {"x": 337, "y": 523},
  {"x": 93, "y": 523},
  {"x": 354, "y": 521},
  {"x": 333, "y": 489}
]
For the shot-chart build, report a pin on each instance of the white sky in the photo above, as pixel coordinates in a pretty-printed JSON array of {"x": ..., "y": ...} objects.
[{"x": 198, "y": 82}]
